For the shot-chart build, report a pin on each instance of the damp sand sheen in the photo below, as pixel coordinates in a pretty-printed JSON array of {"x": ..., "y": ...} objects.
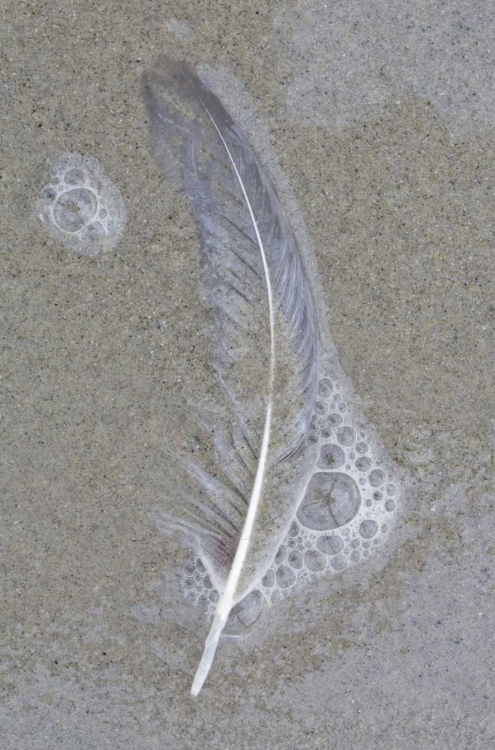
[{"x": 80, "y": 206}]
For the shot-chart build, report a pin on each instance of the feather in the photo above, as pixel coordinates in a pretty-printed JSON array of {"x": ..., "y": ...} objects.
[{"x": 264, "y": 342}]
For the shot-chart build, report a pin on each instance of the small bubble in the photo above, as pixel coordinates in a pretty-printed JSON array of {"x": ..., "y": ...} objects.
[
  {"x": 339, "y": 562},
  {"x": 296, "y": 560},
  {"x": 294, "y": 530},
  {"x": 269, "y": 579},
  {"x": 285, "y": 576},
  {"x": 363, "y": 464},
  {"x": 346, "y": 436},
  {"x": 314, "y": 561},
  {"x": 391, "y": 489},
  {"x": 281, "y": 555},
  {"x": 377, "y": 477},
  {"x": 368, "y": 529},
  {"x": 334, "y": 419},
  {"x": 93, "y": 233},
  {"x": 390, "y": 505},
  {"x": 362, "y": 447},
  {"x": 377, "y": 496},
  {"x": 331, "y": 456},
  {"x": 321, "y": 408},
  {"x": 48, "y": 195},
  {"x": 355, "y": 556},
  {"x": 330, "y": 545},
  {"x": 325, "y": 388},
  {"x": 75, "y": 177}
]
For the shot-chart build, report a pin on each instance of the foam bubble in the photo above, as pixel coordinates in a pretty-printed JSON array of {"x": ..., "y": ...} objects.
[
  {"x": 296, "y": 559},
  {"x": 80, "y": 206},
  {"x": 330, "y": 545},
  {"x": 334, "y": 419},
  {"x": 331, "y": 456},
  {"x": 269, "y": 579},
  {"x": 331, "y": 500},
  {"x": 364, "y": 463},
  {"x": 368, "y": 529},
  {"x": 245, "y": 613},
  {"x": 325, "y": 388},
  {"x": 339, "y": 562},
  {"x": 285, "y": 576},
  {"x": 314, "y": 560},
  {"x": 321, "y": 407},
  {"x": 377, "y": 478}
]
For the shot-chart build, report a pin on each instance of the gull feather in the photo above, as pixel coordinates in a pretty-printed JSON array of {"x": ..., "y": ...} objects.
[{"x": 264, "y": 341}]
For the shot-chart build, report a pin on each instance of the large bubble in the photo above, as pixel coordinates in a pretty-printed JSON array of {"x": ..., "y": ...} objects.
[
  {"x": 332, "y": 500},
  {"x": 244, "y": 615}
]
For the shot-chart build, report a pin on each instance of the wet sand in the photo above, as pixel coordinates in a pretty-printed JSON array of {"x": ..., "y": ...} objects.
[{"x": 383, "y": 126}]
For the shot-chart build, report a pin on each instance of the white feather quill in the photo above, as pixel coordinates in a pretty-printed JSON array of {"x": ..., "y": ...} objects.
[{"x": 264, "y": 342}]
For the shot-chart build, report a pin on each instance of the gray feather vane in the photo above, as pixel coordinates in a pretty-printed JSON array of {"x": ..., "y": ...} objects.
[{"x": 264, "y": 342}]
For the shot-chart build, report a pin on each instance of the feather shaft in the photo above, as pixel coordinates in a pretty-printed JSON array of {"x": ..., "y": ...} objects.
[{"x": 225, "y": 602}]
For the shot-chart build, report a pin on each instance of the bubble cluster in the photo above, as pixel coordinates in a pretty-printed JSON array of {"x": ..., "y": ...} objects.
[
  {"x": 197, "y": 586},
  {"x": 347, "y": 511},
  {"x": 81, "y": 206}
]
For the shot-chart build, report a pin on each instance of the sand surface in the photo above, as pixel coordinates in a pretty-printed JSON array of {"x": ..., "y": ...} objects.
[{"x": 382, "y": 118}]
